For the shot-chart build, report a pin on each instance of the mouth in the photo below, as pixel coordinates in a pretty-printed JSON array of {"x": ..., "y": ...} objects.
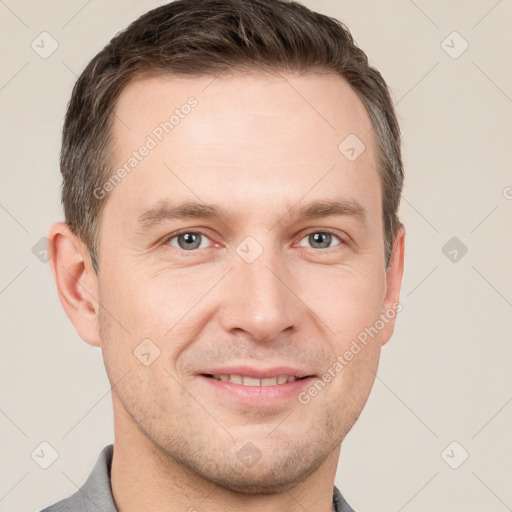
[
  {"x": 254, "y": 387},
  {"x": 246, "y": 380}
]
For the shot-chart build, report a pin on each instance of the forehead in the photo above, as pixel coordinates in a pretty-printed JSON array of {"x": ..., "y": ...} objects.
[
  {"x": 244, "y": 100},
  {"x": 244, "y": 136}
]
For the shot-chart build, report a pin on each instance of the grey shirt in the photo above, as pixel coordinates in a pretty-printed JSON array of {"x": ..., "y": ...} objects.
[{"x": 96, "y": 494}]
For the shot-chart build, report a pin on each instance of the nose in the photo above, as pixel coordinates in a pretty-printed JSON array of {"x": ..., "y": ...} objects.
[{"x": 261, "y": 299}]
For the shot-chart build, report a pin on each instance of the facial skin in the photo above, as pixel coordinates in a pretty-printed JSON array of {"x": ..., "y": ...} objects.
[{"x": 257, "y": 146}]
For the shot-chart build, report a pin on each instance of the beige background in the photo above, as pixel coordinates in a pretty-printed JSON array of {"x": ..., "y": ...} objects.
[{"x": 446, "y": 374}]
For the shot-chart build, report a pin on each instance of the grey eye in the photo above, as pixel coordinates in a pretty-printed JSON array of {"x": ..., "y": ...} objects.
[
  {"x": 188, "y": 241},
  {"x": 321, "y": 239}
]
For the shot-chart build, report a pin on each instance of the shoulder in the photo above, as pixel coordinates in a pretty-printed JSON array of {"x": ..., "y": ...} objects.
[
  {"x": 95, "y": 494},
  {"x": 75, "y": 502}
]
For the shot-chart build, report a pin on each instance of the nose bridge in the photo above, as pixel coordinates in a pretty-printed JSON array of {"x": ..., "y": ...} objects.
[{"x": 259, "y": 300}]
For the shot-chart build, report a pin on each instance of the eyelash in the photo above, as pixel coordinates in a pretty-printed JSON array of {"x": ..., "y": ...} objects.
[{"x": 184, "y": 231}]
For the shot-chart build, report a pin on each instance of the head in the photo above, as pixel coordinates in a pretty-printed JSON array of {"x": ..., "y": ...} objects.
[{"x": 270, "y": 120}]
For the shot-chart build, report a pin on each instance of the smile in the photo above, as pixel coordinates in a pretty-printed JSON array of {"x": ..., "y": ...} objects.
[{"x": 254, "y": 381}]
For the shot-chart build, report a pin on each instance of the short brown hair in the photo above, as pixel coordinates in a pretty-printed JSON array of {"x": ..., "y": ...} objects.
[{"x": 209, "y": 37}]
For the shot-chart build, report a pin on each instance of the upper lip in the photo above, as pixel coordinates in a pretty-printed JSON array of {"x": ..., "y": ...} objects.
[{"x": 259, "y": 373}]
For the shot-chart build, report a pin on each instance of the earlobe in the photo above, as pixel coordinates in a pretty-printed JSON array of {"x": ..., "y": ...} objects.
[
  {"x": 77, "y": 283},
  {"x": 393, "y": 285}
]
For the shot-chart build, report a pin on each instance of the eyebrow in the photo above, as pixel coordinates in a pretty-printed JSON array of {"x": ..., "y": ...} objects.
[{"x": 165, "y": 210}]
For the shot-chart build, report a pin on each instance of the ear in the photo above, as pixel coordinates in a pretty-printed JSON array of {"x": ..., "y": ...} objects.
[
  {"x": 391, "y": 304},
  {"x": 77, "y": 283}
]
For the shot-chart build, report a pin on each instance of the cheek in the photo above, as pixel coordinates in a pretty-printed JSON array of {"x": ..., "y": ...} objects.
[
  {"x": 149, "y": 304},
  {"x": 165, "y": 308},
  {"x": 347, "y": 301},
  {"x": 135, "y": 350}
]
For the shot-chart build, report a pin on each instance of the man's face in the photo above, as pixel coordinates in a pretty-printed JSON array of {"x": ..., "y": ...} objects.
[{"x": 263, "y": 292}]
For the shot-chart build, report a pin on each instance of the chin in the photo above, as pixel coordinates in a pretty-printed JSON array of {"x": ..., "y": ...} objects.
[{"x": 266, "y": 481}]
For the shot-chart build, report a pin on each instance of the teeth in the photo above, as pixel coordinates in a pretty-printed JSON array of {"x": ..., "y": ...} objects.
[{"x": 252, "y": 381}]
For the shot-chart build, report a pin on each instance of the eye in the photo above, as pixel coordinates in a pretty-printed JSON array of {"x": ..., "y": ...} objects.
[
  {"x": 188, "y": 240},
  {"x": 192, "y": 240},
  {"x": 321, "y": 239}
]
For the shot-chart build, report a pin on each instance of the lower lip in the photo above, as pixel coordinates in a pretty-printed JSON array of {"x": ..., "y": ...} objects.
[{"x": 258, "y": 395}]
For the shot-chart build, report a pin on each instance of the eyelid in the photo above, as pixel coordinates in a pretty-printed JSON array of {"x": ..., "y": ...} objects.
[
  {"x": 167, "y": 238},
  {"x": 324, "y": 230},
  {"x": 205, "y": 233}
]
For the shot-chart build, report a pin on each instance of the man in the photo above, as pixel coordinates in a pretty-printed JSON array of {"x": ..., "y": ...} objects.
[{"x": 231, "y": 180}]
